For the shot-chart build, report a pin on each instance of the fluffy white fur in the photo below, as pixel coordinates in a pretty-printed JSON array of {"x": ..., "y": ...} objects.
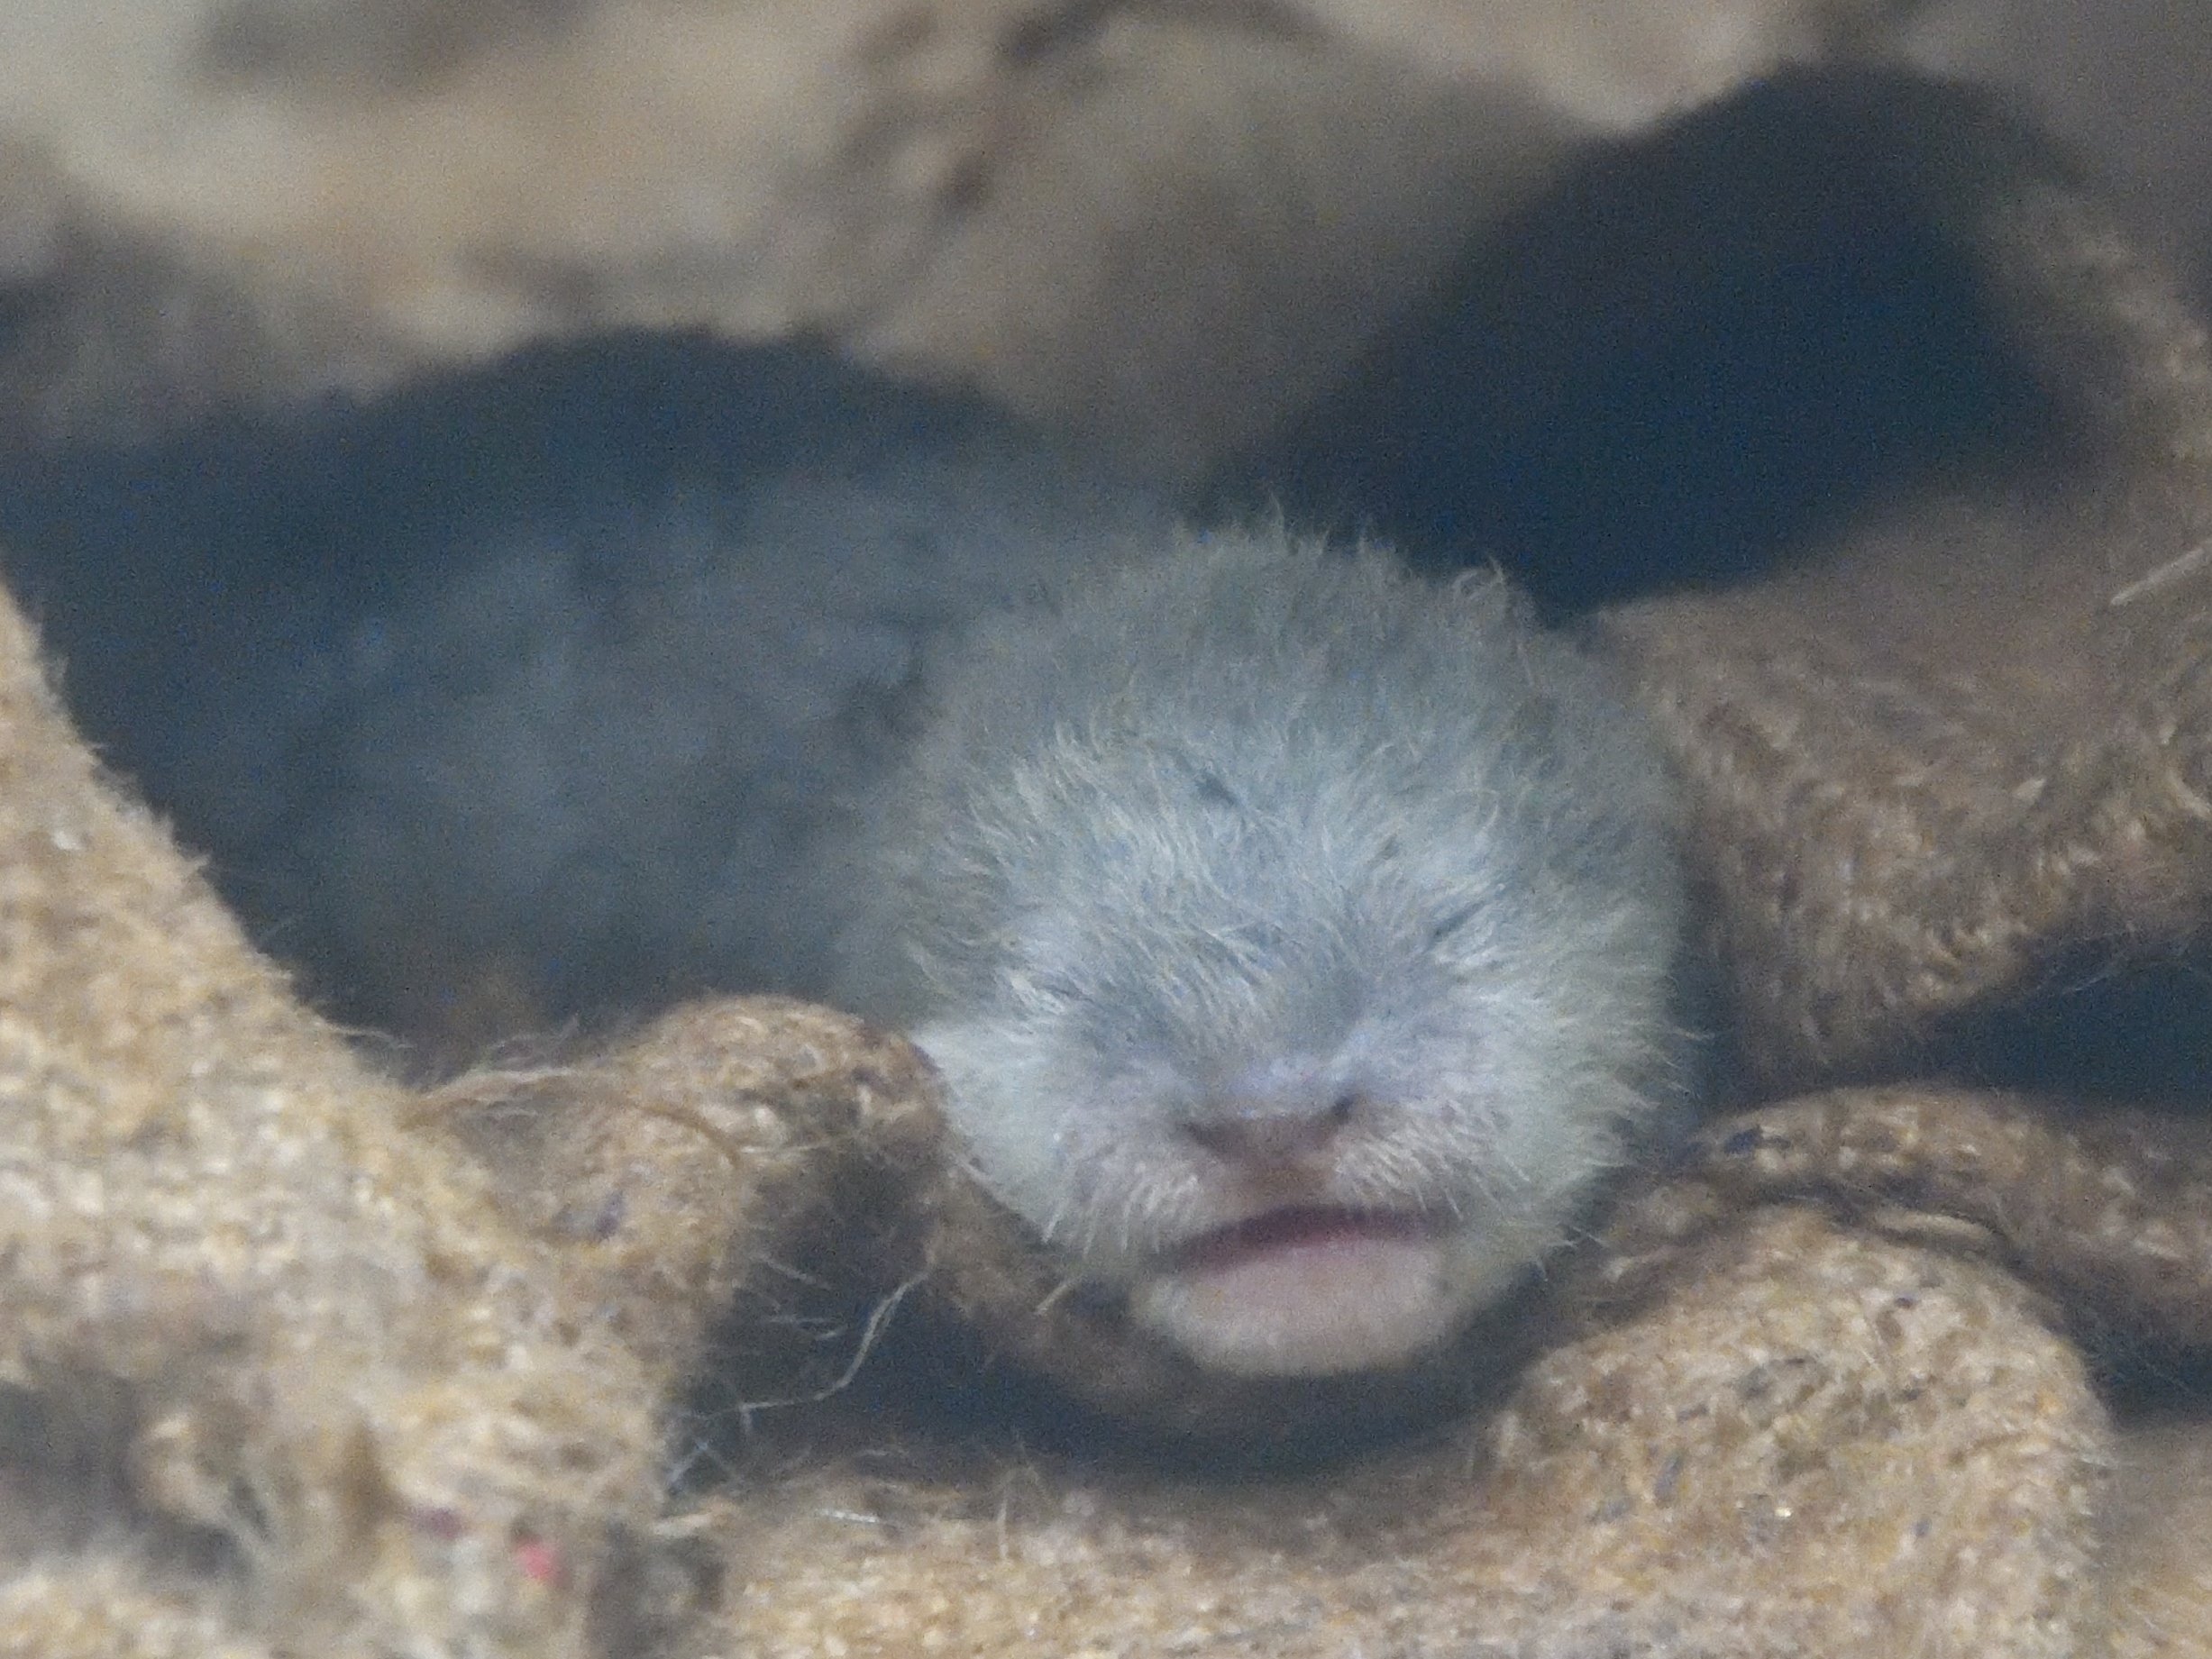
[{"x": 1295, "y": 937}]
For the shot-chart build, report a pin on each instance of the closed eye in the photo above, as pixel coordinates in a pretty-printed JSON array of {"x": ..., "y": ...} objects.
[
  {"x": 1451, "y": 923},
  {"x": 1214, "y": 790}
]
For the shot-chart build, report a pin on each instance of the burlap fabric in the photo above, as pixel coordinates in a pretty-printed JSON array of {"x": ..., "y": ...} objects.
[{"x": 572, "y": 1360}]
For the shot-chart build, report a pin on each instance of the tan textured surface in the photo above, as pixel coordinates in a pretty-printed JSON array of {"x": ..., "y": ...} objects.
[
  {"x": 1817, "y": 1442},
  {"x": 98, "y": 1609},
  {"x": 1156, "y": 222},
  {"x": 2110, "y": 1210},
  {"x": 272, "y": 193},
  {"x": 2161, "y": 1570},
  {"x": 283, "y": 1332},
  {"x": 669, "y": 1168},
  {"x": 1976, "y": 732}
]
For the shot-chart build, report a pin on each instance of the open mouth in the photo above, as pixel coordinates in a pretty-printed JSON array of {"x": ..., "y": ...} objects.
[{"x": 1296, "y": 1227}]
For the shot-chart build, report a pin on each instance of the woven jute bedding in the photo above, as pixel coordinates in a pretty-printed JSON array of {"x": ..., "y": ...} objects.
[{"x": 606, "y": 1357}]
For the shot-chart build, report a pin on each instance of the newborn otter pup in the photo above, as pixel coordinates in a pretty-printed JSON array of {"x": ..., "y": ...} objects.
[{"x": 1294, "y": 936}]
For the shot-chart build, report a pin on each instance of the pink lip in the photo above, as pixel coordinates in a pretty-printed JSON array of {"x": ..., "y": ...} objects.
[{"x": 1295, "y": 1227}]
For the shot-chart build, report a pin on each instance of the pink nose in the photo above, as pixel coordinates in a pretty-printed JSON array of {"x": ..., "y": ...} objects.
[{"x": 1263, "y": 1134}]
